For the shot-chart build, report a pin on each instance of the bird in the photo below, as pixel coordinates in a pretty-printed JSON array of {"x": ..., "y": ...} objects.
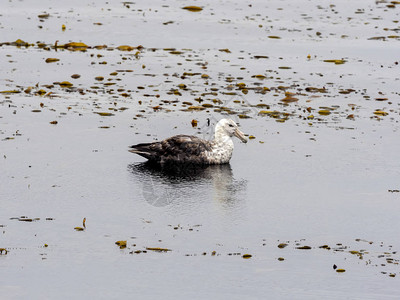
[{"x": 189, "y": 149}]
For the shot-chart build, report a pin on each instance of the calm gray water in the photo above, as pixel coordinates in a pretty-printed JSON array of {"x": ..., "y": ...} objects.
[{"x": 322, "y": 170}]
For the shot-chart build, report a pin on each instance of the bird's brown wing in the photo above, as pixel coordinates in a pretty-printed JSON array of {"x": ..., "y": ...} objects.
[{"x": 179, "y": 149}]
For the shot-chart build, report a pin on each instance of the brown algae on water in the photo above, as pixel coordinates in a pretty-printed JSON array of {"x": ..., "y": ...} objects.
[
  {"x": 78, "y": 228},
  {"x": 304, "y": 248},
  {"x": 121, "y": 244},
  {"x": 214, "y": 98},
  {"x": 296, "y": 99},
  {"x": 193, "y": 8},
  {"x": 158, "y": 249},
  {"x": 340, "y": 270},
  {"x": 51, "y": 60}
]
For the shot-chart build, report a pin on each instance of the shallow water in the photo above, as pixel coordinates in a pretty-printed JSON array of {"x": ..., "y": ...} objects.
[{"x": 322, "y": 169}]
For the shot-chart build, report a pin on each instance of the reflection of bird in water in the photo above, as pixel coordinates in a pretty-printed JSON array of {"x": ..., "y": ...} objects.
[
  {"x": 179, "y": 173},
  {"x": 162, "y": 186},
  {"x": 184, "y": 149}
]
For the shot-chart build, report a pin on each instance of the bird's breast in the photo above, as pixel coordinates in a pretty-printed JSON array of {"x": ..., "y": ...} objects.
[{"x": 221, "y": 153}]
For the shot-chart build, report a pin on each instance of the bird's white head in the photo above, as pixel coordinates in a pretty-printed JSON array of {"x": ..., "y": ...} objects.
[{"x": 230, "y": 128}]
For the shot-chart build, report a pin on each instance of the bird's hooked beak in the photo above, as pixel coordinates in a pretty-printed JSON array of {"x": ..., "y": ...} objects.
[{"x": 240, "y": 135}]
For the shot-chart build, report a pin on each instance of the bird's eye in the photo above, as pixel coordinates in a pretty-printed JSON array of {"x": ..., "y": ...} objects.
[{"x": 230, "y": 125}]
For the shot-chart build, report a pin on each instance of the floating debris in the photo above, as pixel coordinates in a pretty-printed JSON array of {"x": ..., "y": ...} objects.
[
  {"x": 380, "y": 113},
  {"x": 335, "y": 61},
  {"x": 20, "y": 43},
  {"x": 83, "y": 224},
  {"x": 104, "y": 114},
  {"x": 193, "y": 8},
  {"x": 157, "y": 249},
  {"x": 51, "y": 60},
  {"x": 340, "y": 270},
  {"x": 75, "y": 46},
  {"x": 41, "y": 92},
  {"x": 324, "y": 112},
  {"x": 44, "y": 16},
  {"x": 325, "y": 247},
  {"x": 304, "y": 248},
  {"x": 126, "y": 48},
  {"x": 65, "y": 84},
  {"x": 10, "y": 92},
  {"x": 121, "y": 244},
  {"x": 26, "y": 219}
]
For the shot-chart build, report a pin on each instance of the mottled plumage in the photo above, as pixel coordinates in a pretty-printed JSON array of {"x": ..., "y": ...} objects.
[{"x": 191, "y": 149}]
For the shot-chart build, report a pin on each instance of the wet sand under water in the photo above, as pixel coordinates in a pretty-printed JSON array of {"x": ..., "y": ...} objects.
[{"x": 313, "y": 197}]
